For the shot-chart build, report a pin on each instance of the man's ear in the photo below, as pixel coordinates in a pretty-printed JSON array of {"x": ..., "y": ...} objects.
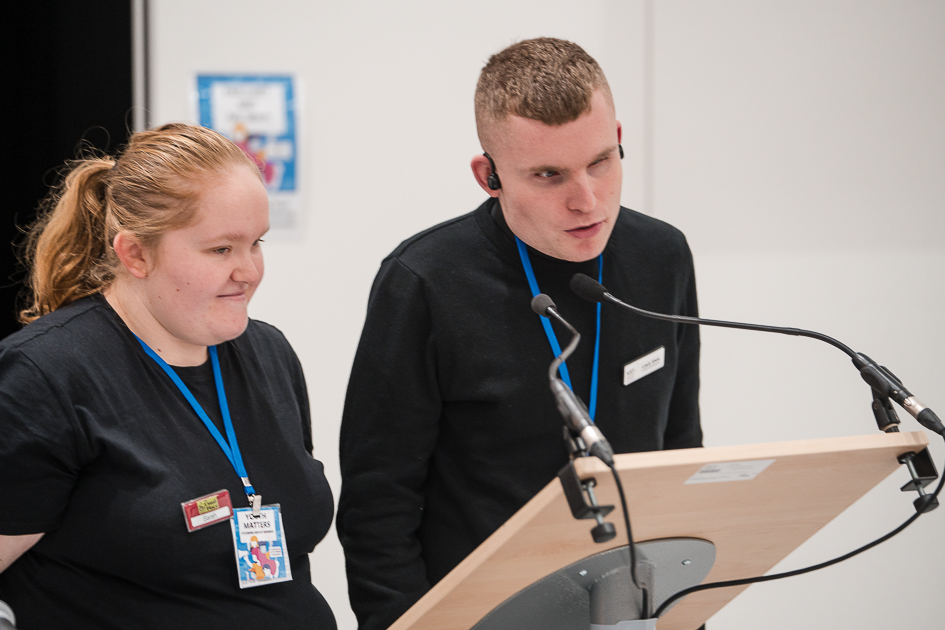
[
  {"x": 619, "y": 133},
  {"x": 133, "y": 255},
  {"x": 481, "y": 170}
]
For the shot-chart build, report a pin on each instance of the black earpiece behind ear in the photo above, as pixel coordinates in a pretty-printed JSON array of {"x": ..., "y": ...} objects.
[
  {"x": 493, "y": 180},
  {"x": 620, "y": 147}
]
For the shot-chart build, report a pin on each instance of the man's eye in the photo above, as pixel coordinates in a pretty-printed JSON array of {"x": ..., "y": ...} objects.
[
  {"x": 603, "y": 159},
  {"x": 221, "y": 250},
  {"x": 546, "y": 174}
]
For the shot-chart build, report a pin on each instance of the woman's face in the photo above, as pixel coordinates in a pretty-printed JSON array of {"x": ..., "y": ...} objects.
[{"x": 202, "y": 276}]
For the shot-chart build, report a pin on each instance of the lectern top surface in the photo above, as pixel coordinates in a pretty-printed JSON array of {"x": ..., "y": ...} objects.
[{"x": 756, "y": 503}]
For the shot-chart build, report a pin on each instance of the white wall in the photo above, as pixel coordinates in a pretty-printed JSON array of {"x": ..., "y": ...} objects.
[{"x": 798, "y": 145}]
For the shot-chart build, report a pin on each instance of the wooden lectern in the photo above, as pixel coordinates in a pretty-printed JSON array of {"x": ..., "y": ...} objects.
[{"x": 753, "y": 521}]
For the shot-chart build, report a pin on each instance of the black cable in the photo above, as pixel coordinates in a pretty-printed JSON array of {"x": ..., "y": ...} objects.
[
  {"x": 884, "y": 384},
  {"x": 777, "y": 576},
  {"x": 877, "y": 376},
  {"x": 633, "y": 554}
]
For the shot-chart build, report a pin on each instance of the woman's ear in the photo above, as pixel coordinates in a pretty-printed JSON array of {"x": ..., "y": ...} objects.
[{"x": 132, "y": 254}]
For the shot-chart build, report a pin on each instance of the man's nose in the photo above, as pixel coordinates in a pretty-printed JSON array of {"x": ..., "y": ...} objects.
[{"x": 581, "y": 194}]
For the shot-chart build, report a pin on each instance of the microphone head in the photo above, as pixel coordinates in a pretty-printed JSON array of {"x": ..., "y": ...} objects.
[
  {"x": 541, "y": 303},
  {"x": 587, "y": 288}
]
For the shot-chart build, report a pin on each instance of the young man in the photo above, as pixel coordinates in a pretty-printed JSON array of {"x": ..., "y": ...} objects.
[{"x": 449, "y": 426}]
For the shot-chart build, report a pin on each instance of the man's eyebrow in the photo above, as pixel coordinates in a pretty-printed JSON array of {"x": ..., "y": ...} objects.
[
  {"x": 547, "y": 167},
  {"x": 605, "y": 153}
]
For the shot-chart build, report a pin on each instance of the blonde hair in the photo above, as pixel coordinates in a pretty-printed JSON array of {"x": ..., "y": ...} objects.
[
  {"x": 150, "y": 188},
  {"x": 545, "y": 79}
]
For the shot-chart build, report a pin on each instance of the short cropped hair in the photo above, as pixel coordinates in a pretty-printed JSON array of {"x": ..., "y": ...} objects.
[{"x": 544, "y": 79}]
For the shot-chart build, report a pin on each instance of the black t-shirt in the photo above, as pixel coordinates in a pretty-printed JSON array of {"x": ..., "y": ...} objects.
[{"x": 98, "y": 449}]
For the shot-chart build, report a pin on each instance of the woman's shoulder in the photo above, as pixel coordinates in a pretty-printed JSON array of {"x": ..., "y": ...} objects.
[
  {"x": 264, "y": 342},
  {"x": 260, "y": 332},
  {"x": 78, "y": 326},
  {"x": 70, "y": 350}
]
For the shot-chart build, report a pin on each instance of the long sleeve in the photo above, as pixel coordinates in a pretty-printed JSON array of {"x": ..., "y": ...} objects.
[
  {"x": 683, "y": 428},
  {"x": 388, "y": 432},
  {"x": 449, "y": 427}
]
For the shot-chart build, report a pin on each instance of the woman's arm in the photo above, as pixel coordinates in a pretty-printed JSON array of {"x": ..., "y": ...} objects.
[{"x": 12, "y": 547}]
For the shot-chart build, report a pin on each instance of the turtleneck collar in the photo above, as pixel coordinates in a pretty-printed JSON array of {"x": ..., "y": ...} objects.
[{"x": 498, "y": 218}]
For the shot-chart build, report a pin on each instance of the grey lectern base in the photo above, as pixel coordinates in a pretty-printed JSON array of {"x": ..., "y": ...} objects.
[{"x": 596, "y": 593}]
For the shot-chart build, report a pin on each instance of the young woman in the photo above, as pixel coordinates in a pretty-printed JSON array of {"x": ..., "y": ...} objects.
[{"x": 143, "y": 415}]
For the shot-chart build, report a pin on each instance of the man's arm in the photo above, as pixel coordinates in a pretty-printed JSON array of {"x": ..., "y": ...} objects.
[
  {"x": 388, "y": 432},
  {"x": 684, "y": 429}
]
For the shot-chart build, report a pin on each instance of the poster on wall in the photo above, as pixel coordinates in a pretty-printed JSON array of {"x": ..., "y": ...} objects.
[{"x": 257, "y": 112}]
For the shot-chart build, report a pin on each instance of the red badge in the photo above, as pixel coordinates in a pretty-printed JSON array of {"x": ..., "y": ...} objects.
[{"x": 207, "y": 510}]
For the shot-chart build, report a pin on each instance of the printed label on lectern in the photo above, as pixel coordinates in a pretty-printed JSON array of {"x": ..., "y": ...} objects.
[{"x": 730, "y": 471}]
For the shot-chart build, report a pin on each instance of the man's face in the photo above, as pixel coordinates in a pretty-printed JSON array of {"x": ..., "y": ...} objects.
[{"x": 560, "y": 189}]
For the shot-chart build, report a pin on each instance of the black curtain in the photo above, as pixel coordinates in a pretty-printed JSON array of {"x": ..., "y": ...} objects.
[{"x": 67, "y": 88}]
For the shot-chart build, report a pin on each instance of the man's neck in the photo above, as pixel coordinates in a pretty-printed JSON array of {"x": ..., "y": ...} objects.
[{"x": 499, "y": 218}]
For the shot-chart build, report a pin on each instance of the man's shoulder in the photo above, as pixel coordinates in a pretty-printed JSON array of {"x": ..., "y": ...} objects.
[
  {"x": 636, "y": 226},
  {"x": 456, "y": 243},
  {"x": 644, "y": 243},
  {"x": 444, "y": 239}
]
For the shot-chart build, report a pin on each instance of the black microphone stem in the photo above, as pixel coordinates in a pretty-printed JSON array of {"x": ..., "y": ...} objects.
[
  {"x": 883, "y": 382},
  {"x": 581, "y": 424},
  {"x": 796, "y": 332}
]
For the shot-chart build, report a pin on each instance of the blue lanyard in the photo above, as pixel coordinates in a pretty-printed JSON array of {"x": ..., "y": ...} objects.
[
  {"x": 533, "y": 285},
  {"x": 229, "y": 446}
]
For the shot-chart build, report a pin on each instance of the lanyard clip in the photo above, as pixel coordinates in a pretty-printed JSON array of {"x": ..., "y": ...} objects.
[{"x": 255, "y": 500}]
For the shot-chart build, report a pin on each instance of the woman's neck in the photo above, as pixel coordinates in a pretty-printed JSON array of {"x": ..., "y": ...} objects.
[{"x": 134, "y": 312}]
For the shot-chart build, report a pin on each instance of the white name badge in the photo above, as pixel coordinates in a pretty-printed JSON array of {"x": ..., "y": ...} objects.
[
  {"x": 259, "y": 542},
  {"x": 730, "y": 471},
  {"x": 647, "y": 364}
]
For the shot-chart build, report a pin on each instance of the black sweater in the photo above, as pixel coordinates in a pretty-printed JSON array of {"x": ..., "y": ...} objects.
[{"x": 449, "y": 426}]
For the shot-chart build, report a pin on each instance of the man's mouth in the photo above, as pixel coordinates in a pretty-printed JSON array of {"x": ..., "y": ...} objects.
[{"x": 586, "y": 231}]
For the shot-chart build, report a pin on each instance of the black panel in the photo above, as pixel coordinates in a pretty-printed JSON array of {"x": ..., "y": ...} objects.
[{"x": 66, "y": 78}]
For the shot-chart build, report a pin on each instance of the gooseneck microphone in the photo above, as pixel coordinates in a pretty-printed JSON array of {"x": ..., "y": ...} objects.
[
  {"x": 574, "y": 412},
  {"x": 883, "y": 382}
]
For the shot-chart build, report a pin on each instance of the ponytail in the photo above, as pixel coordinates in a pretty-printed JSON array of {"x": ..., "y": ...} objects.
[
  {"x": 152, "y": 187},
  {"x": 66, "y": 248}
]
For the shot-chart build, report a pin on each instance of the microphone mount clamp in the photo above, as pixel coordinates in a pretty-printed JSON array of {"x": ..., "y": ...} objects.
[{"x": 583, "y": 501}]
